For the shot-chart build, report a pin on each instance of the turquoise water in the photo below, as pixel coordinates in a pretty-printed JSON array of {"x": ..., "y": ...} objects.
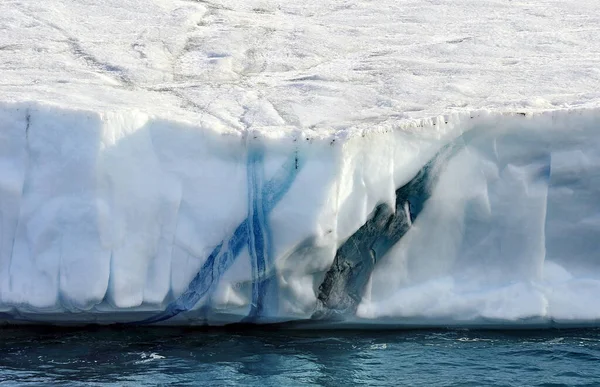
[{"x": 161, "y": 356}]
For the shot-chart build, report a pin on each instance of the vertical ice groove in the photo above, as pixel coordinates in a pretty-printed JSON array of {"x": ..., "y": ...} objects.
[
  {"x": 544, "y": 174},
  {"x": 14, "y": 125},
  {"x": 158, "y": 278},
  {"x": 226, "y": 252},
  {"x": 33, "y": 270},
  {"x": 259, "y": 237},
  {"x": 23, "y": 185}
]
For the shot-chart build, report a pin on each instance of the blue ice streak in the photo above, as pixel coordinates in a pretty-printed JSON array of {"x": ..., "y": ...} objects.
[
  {"x": 259, "y": 238},
  {"x": 252, "y": 232}
]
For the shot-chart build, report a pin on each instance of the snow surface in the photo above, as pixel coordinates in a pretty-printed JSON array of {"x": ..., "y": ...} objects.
[{"x": 192, "y": 162}]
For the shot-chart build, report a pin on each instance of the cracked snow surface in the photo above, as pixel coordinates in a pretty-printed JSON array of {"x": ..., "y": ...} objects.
[{"x": 310, "y": 64}]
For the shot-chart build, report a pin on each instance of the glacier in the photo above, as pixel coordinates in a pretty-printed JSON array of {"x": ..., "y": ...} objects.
[
  {"x": 123, "y": 217},
  {"x": 325, "y": 164}
]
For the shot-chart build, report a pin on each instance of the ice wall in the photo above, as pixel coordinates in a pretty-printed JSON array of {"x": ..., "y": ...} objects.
[{"x": 120, "y": 216}]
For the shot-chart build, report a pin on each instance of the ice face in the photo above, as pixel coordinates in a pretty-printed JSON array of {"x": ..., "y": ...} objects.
[
  {"x": 121, "y": 217},
  {"x": 266, "y": 161}
]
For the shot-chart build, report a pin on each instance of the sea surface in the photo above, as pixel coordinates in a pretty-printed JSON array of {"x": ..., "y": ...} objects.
[{"x": 267, "y": 357}]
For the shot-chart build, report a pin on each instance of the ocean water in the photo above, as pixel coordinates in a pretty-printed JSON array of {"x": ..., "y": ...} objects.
[{"x": 267, "y": 357}]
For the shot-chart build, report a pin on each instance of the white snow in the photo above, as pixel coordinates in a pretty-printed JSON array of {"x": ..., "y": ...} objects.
[{"x": 137, "y": 135}]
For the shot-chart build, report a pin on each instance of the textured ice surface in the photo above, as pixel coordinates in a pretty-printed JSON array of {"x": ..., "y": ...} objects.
[{"x": 394, "y": 163}]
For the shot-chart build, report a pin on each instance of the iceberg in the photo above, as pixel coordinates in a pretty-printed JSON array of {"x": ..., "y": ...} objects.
[
  {"x": 211, "y": 165},
  {"x": 123, "y": 217}
]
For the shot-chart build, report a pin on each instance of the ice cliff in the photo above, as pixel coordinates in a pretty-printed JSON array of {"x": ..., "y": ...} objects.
[
  {"x": 115, "y": 216},
  {"x": 331, "y": 163}
]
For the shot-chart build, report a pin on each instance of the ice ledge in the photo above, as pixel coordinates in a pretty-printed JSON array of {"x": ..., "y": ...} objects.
[{"x": 450, "y": 122}]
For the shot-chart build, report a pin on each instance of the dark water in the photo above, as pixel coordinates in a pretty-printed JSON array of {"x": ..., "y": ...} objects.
[{"x": 161, "y": 356}]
